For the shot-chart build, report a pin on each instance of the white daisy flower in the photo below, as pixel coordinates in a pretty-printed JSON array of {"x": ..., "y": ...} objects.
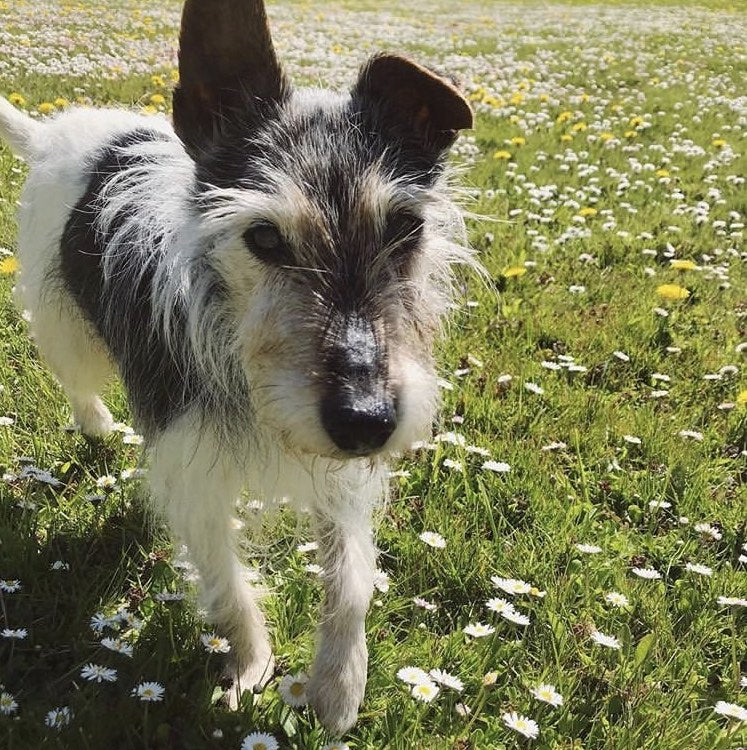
[
  {"x": 534, "y": 388},
  {"x": 588, "y": 549},
  {"x": 453, "y": 438},
  {"x": 632, "y": 439},
  {"x": 16, "y": 634},
  {"x": 413, "y": 675},
  {"x": 132, "y": 439},
  {"x": 169, "y": 596},
  {"x": 447, "y": 680},
  {"x": 59, "y": 565},
  {"x": 336, "y": 746},
  {"x": 515, "y": 617},
  {"x": 259, "y": 741},
  {"x": 214, "y": 644},
  {"x": 58, "y": 718},
  {"x": 498, "y": 605},
  {"x": 424, "y": 691},
  {"x": 521, "y": 724},
  {"x": 150, "y": 692},
  {"x": 708, "y": 532},
  {"x": 292, "y": 689},
  {"x": 117, "y": 645},
  {"x": 659, "y": 504},
  {"x": 478, "y": 630},
  {"x": 450, "y": 463},
  {"x": 702, "y": 570},
  {"x": 732, "y": 710},
  {"x": 497, "y": 466},
  {"x": 381, "y": 581},
  {"x": 425, "y": 604},
  {"x": 692, "y": 434},
  {"x": 307, "y": 547},
  {"x": 10, "y": 587},
  {"x": 314, "y": 569},
  {"x": 731, "y": 601},
  {"x": 616, "y": 599},
  {"x": 107, "y": 482},
  {"x": 477, "y": 450},
  {"x": 650, "y": 574},
  {"x": 547, "y": 694},
  {"x": 621, "y": 356},
  {"x": 97, "y": 673},
  {"x": 8, "y": 704},
  {"x": 605, "y": 640},
  {"x": 433, "y": 539},
  {"x": 511, "y": 585}
]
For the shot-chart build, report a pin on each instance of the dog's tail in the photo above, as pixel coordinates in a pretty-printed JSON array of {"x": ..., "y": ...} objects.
[{"x": 18, "y": 129}]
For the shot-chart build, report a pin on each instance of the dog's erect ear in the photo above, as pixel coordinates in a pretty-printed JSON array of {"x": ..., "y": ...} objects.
[
  {"x": 430, "y": 108},
  {"x": 227, "y": 64}
]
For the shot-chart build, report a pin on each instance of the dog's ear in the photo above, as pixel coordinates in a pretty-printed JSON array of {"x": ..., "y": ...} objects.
[
  {"x": 227, "y": 65},
  {"x": 426, "y": 107}
]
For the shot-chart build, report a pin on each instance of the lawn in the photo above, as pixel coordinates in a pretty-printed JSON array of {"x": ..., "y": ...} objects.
[{"x": 590, "y": 461}]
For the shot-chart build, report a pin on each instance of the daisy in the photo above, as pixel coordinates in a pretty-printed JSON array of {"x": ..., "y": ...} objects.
[
  {"x": 692, "y": 434},
  {"x": 511, "y": 585},
  {"x": 432, "y": 539},
  {"x": 556, "y": 445},
  {"x": 150, "y": 692},
  {"x": 169, "y": 596},
  {"x": 547, "y": 694},
  {"x": 588, "y": 549},
  {"x": 521, "y": 724},
  {"x": 413, "y": 675},
  {"x": 259, "y": 741},
  {"x": 632, "y": 439},
  {"x": 732, "y": 710},
  {"x": 702, "y": 570},
  {"x": 616, "y": 599},
  {"x": 450, "y": 463},
  {"x": 107, "y": 482},
  {"x": 478, "y": 630},
  {"x": 497, "y": 466},
  {"x": 308, "y": 547},
  {"x": 425, "y": 604},
  {"x": 708, "y": 531},
  {"x": 515, "y": 617},
  {"x": 381, "y": 581},
  {"x": 732, "y": 601},
  {"x": 534, "y": 388},
  {"x": 8, "y": 704},
  {"x": 605, "y": 640},
  {"x": 424, "y": 691},
  {"x": 58, "y": 718},
  {"x": 214, "y": 644},
  {"x": 118, "y": 645},
  {"x": 292, "y": 688},
  {"x": 314, "y": 569},
  {"x": 650, "y": 574},
  {"x": 97, "y": 673},
  {"x": 656, "y": 504},
  {"x": 477, "y": 450},
  {"x": 17, "y": 634},
  {"x": 336, "y": 746},
  {"x": 446, "y": 679},
  {"x": 621, "y": 356},
  {"x": 498, "y": 605},
  {"x": 10, "y": 587},
  {"x": 132, "y": 439}
]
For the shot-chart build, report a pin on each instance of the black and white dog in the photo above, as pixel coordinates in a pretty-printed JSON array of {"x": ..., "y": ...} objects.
[{"x": 267, "y": 277}]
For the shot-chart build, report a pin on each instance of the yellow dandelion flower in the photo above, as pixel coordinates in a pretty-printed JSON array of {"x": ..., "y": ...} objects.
[
  {"x": 149, "y": 109},
  {"x": 9, "y": 265},
  {"x": 662, "y": 173},
  {"x": 45, "y": 108},
  {"x": 636, "y": 121},
  {"x": 585, "y": 98},
  {"x": 517, "y": 98},
  {"x": 502, "y": 154},
  {"x": 517, "y": 140},
  {"x": 491, "y": 101},
  {"x": 61, "y": 102},
  {"x": 337, "y": 49},
  {"x": 672, "y": 291},
  {"x": 718, "y": 142},
  {"x": 523, "y": 86},
  {"x": 16, "y": 100},
  {"x": 566, "y": 137},
  {"x": 683, "y": 265},
  {"x": 579, "y": 127},
  {"x": 742, "y": 397},
  {"x": 563, "y": 117},
  {"x": 544, "y": 98},
  {"x": 513, "y": 118},
  {"x": 630, "y": 134},
  {"x": 588, "y": 211},
  {"x": 606, "y": 136},
  {"x": 157, "y": 81},
  {"x": 174, "y": 75},
  {"x": 513, "y": 272},
  {"x": 157, "y": 99}
]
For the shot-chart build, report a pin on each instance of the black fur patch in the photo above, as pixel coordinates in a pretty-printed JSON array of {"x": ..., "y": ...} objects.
[{"x": 160, "y": 386}]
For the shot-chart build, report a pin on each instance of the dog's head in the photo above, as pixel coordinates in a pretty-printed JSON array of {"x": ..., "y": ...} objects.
[{"x": 327, "y": 219}]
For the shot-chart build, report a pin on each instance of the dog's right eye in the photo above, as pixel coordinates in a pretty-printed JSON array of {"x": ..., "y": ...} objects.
[{"x": 266, "y": 242}]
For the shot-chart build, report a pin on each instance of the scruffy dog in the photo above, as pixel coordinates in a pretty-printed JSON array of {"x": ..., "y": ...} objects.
[{"x": 267, "y": 277}]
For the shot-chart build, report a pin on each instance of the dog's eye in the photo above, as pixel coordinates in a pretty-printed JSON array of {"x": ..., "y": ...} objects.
[
  {"x": 266, "y": 242},
  {"x": 402, "y": 236}
]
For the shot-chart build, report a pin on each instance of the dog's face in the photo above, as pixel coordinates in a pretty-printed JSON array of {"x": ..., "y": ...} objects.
[{"x": 326, "y": 218}]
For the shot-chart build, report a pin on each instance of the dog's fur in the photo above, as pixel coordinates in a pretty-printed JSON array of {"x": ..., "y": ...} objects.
[{"x": 267, "y": 278}]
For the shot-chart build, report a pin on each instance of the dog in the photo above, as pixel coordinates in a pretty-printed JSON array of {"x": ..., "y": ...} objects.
[{"x": 268, "y": 277}]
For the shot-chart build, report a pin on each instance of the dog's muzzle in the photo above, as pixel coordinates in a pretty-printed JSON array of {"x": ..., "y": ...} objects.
[{"x": 358, "y": 412}]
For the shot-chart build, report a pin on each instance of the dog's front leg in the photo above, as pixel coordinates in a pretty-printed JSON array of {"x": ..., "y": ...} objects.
[{"x": 338, "y": 677}]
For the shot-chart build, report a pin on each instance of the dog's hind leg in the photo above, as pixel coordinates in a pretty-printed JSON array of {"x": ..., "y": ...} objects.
[
  {"x": 78, "y": 358},
  {"x": 348, "y": 557},
  {"x": 195, "y": 483}
]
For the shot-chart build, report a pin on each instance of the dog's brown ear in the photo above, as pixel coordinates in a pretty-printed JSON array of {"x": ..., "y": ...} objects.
[
  {"x": 431, "y": 107},
  {"x": 226, "y": 64}
]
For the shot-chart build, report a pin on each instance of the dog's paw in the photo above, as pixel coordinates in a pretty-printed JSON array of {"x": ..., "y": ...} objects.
[
  {"x": 336, "y": 687},
  {"x": 253, "y": 677},
  {"x": 94, "y": 419}
]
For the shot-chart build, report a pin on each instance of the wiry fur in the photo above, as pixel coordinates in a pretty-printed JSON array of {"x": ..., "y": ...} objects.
[{"x": 134, "y": 258}]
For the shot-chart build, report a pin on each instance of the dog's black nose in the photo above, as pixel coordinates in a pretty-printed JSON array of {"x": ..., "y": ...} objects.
[{"x": 359, "y": 427}]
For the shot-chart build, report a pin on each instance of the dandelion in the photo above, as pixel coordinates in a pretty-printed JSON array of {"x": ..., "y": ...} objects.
[
  {"x": 605, "y": 640},
  {"x": 292, "y": 689},
  {"x": 521, "y": 724},
  {"x": 424, "y": 691},
  {"x": 547, "y": 694},
  {"x": 150, "y": 692},
  {"x": 732, "y": 710},
  {"x": 517, "y": 140},
  {"x": 718, "y": 142},
  {"x": 58, "y": 718},
  {"x": 502, "y": 155},
  {"x": 16, "y": 99},
  {"x": 650, "y": 574},
  {"x": 588, "y": 211},
  {"x": 513, "y": 272},
  {"x": 413, "y": 675},
  {"x": 259, "y": 741},
  {"x": 433, "y": 539},
  {"x": 214, "y": 644},
  {"x": 478, "y": 630},
  {"x": 683, "y": 265},
  {"x": 46, "y": 108},
  {"x": 9, "y": 265},
  {"x": 97, "y": 673},
  {"x": 672, "y": 291},
  {"x": 8, "y": 704}
]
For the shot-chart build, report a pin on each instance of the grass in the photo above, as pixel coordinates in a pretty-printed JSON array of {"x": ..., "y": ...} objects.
[{"x": 664, "y": 82}]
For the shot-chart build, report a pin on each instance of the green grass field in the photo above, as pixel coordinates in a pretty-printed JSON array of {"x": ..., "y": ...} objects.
[{"x": 605, "y": 364}]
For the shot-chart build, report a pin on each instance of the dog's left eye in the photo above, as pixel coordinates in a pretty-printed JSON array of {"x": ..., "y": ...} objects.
[
  {"x": 402, "y": 236},
  {"x": 266, "y": 242}
]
